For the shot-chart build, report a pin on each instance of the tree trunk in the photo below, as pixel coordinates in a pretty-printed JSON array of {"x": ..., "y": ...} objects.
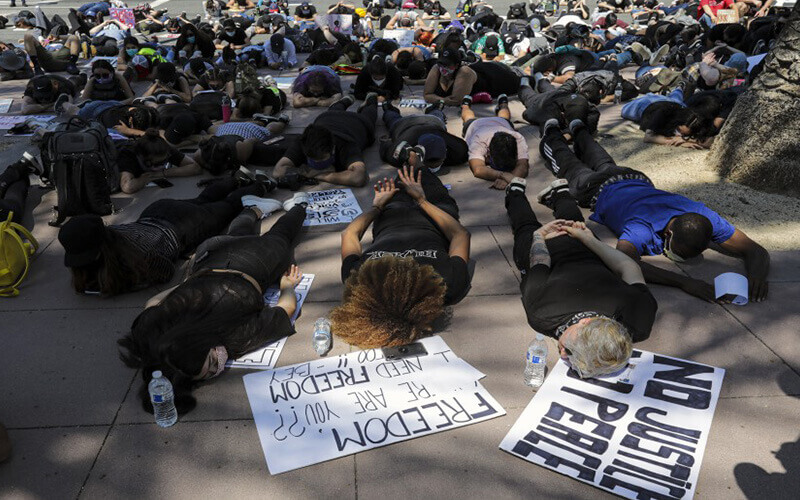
[{"x": 759, "y": 145}]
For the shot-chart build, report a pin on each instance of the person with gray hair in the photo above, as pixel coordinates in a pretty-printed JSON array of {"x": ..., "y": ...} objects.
[{"x": 587, "y": 295}]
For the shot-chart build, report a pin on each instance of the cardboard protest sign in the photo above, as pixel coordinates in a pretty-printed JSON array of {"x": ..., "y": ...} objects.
[
  {"x": 639, "y": 434},
  {"x": 332, "y": 206},
  {"x": 404, "y": 38},
  {"x": 333, "y": 407},
  {"x": 727, "y": 16},
  {"x": 266, "y": 357},
  {"x": 124, "y": 16},
  {"x": 338, "y": 23}
]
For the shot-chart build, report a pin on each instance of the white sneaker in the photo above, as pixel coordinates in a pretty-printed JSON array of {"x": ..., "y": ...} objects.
[
  {"x": 265, "y": 205},
  {"x": 298, "y": 198}
]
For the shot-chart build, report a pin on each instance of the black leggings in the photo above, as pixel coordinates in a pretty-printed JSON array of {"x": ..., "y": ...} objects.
[
  {"x": 207, "y": 215},
  {"x": 14, "y": 184},
  {"x": 495, "y": 78},
  {"x": 524, "y": 223},
  {"x": 585, "y": 169},
  {"x": 265, "y": 258}
]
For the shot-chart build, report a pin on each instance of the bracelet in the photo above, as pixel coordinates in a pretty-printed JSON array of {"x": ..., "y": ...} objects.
[{"x": 379, "y": 209}]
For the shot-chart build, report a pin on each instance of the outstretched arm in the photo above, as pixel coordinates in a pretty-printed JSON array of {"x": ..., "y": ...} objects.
[
  {"x": 622, "y": 265},
  {"x": 756, "y": 261}
]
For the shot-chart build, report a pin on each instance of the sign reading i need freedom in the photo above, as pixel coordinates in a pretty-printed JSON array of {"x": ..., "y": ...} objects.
[
  {"x": 331, "y": 206},
  {"x": 333, "y": 407},
  {"x": 639, "y": 434}
]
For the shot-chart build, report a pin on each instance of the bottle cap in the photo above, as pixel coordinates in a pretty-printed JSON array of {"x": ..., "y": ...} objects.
[
  {"x": 157, "y": 374},
  {"x": 539, "y": 336}
]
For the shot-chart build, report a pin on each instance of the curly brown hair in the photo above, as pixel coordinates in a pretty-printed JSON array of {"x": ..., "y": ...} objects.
[{"x": 388, "y": 301}]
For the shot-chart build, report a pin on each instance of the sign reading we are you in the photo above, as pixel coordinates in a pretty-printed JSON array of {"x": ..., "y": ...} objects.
[
  {"x": 640, "y": 434},
  {"x": 333, "y": 407}
]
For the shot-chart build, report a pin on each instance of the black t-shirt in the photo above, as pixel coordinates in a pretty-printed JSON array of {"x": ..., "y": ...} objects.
[
  {"x": 390, "y": 87},
  {"x": 718, "y": 103},
  {"x": 352, "y": 134},
  {"x": 238, "y": 37},
  {"x": 111, "y": 117},
  {"x": 324, "y": 56},
  {"x": 578, "y": 281},
  {"x": 179, "y": 121},
  {"x": 411, "y": 128},
  {"x": 405, "y": 232},
  {"x": 573, "y": 61},
  {"x": 60, "y": 85},
  {"x": 305, "y": 11},
  {"x": 659, "y": 117},
  {"x": 129, "y": 161}
]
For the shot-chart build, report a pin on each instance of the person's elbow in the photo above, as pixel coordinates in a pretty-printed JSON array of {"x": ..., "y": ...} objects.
[{"x": 129, "y": 185}]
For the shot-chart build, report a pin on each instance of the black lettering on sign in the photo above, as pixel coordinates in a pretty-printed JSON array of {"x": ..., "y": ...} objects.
[
  {"x": 420, "y": 418},
  {"x": 619, "y": 387},
  {"x": 440, "y": 413},
  {"x": 375, "y": 430},
  {"x": 677, "y": 471},
  {"x": 558, "y": 410},
  {"x": 482, "y": 403},
  {"x": 368, "y": 400},
  {"x": 635, "y": 443},
  {"x": 398, "y": 368},
  {"x": 607, "y": 409},
  {"x": 686, "y": 370},
  {"x": 643, "y": 414},
  {"x": 649, "y": 473},
  {"x": 647, "y": 432},
  {"x": 689, "y": 397},
  {"x": 527, "y": 446},
  {"x": 643, "y": 493}
]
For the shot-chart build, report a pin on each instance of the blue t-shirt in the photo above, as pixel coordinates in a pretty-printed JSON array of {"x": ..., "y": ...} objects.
[{"x": 637, "y": 212}]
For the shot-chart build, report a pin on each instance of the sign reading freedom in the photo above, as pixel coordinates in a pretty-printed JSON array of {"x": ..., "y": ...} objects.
[
  {"x": 640, "y": 434},
  {"x": 333, "y": 407}
]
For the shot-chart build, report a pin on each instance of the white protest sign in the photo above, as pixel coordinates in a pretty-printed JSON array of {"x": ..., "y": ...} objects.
[
  {"x": 413, "y": 103},
  {"x": 284, "y": 82},
  {"x": 5, "y": 105},
  {"x": 328, "y": 408},
  {"x": 332, "y": 206},
  {"x": 640, "y": 434},
  {"x": 266, "y": 357},
  {"x": 404, "y": 38}
]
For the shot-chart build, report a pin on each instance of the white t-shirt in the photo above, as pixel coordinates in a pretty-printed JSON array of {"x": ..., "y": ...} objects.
[{"x": 480, "y": 133}]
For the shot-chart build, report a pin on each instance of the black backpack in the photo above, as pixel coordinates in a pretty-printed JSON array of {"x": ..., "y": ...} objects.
[{"x": 80, "y": 161}]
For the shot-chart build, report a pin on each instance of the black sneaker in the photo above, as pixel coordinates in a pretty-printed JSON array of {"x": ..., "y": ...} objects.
[
  {"x": 33, "y": 163},
  {"x": 551, "y": 123},
  {"x": 265, "y": 180},
  {"x": 349, "y": 100},
  {"x": 388, "y": 106},
  {"x": 574, "y": 125},
  {"x": 467, "y": 100},
  {"x": 517, "y": 184},
  {"x": 547, "y": 195},
  {"x": 502, "y": 100},
  {"x": 58, "y": 106},
  {"x": 439, "y": 105},
  {"x": 370, "y": 100},
  {"x": 72, "y": 69}
]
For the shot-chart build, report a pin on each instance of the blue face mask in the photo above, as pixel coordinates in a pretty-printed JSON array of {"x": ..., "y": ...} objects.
[
  {"x": 131, "y": 52},
  {"x": 104, "y": 80},
  {"x": 320, "y": 164},
  {"x": 191, "y": 39}
]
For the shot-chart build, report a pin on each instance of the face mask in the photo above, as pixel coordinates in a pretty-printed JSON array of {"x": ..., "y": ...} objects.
[
  {"x": 230, "y": 33},
  {"x": 222, "y": 358},
  {"x": 320, "y": 164},
  {"x": 668, "y": 253},
  {"x": 378, "y": 82},
  {"x": 191, "y": 39},
  {"x": 104, "y": 80},
  {"x": 131, "y": 52}
]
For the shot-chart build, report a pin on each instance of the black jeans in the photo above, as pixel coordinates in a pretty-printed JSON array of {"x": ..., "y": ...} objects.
[
  {"x": 265, "y": 258},
  {"x": 403, "y": 212},
  {"x": 207, "y": 215},
  {"x": 585, "y": 169},
  {"x": 524, "y": 224},
  {"x": 370, "y": 111},
  {"x": 14, "y": 184}
]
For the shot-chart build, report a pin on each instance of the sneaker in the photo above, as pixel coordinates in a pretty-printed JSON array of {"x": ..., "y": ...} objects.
[
  {"x": 551, "y": 123},
  {"x": 349, "y": 100},
  {"x": 72, "y": 69},
  {"x": 467, "y": 100},
  {"x": 658, "y": 55},
  {"x": 545, "y": 196},
  {"x": 262, "y": 177},
  {"x": 33, "y": 163},
  {"x": 574, "y": 125},
  {"x": 246, "y": 175},
  {"x": 525, "y": 81},
  {"x": 641, "y": 51},
  {"x": 162, "y": 98},
  {"x": 265, "y": 118},
  {"x": 299, "y": 198},
  {"x": 517, "y": 184},
  {"x": 502, "y": 100},
  {"x": 265, "y": 205},
  {"x": 58, "y": 106},
  {"x": 388, "y": 106},
  {"x": 370, "y": 100},
  {"x": 434, "y": 107},
  {"x": 269, "y": 81}
]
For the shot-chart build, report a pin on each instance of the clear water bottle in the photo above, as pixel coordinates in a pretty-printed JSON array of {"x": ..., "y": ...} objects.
[
  {"x": 322, "y": 336},
  {"x": 536, "y": 362},
  {"x": 163, "y": 400},
  {"x": 618, "y": 93}
]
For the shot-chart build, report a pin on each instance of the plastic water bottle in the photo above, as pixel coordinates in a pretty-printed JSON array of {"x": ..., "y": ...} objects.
[
  {"x": 163, "y": 400},
  {"x": 536, "y": 362},
  {"x": 322, "y": 336},
  {"x": 618, "y": 93},
  {"x": 226, "y": 108}
]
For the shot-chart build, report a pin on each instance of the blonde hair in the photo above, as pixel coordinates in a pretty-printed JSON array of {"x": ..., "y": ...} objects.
[
  {"x": 601, "y": 346},
  {"x": 388, "y": 301}
]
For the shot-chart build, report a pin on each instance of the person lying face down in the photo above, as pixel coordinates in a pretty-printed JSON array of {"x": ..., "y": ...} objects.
[
  {"x": 218, "y": 312},
  {"x": 576, "y": 289},
  {"x": 398, "y": 286}
]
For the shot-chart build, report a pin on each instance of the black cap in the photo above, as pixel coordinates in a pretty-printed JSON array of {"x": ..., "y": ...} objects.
[
  {"x": 82, "y": 239},
  {"x": 11, "y": 61},
  {"x": 450, "y": 56},
  {"x": 181, "y": 127},
  {"x": 492, "y": 42},
  {"x": 276, "y": 43},
  {"x": 42, "y": 84}
]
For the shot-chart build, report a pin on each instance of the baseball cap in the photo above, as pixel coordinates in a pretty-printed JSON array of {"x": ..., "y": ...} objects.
[
  {"x": 276, "y": 43},
  {"x": 82, "y": 239},
  {"x": 450, "y": 56},
  {"x": 435, "y": 147}
]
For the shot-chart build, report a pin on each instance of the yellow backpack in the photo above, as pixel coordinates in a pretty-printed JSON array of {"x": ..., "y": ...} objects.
[{"x": 15, "y": 253}]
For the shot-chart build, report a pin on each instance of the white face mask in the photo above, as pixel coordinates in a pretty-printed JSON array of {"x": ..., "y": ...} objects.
[{"x": 378, "y": 82}]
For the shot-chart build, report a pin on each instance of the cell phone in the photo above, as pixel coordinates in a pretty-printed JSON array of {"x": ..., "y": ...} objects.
[
  {"x": 163, "y": 183},
  {"x": 274, "y": 140},
  {"x": 404, "y": 351}
]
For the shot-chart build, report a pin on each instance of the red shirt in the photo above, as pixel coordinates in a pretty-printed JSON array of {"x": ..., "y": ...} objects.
[{"x": 714, "y": 5}]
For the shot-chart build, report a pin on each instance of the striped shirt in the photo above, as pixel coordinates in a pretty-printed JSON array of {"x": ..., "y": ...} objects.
[{"x": 157, "y": 242}]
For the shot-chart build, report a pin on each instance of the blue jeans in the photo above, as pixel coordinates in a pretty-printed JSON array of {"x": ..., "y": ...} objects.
[
  {"x": 738, "y": 60},
  {"x": 706, "y": 19},
  {"x": 633, "y": 110},
  {"x": 92, "y": 109},
  {"x": 93, "y": 8}
]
